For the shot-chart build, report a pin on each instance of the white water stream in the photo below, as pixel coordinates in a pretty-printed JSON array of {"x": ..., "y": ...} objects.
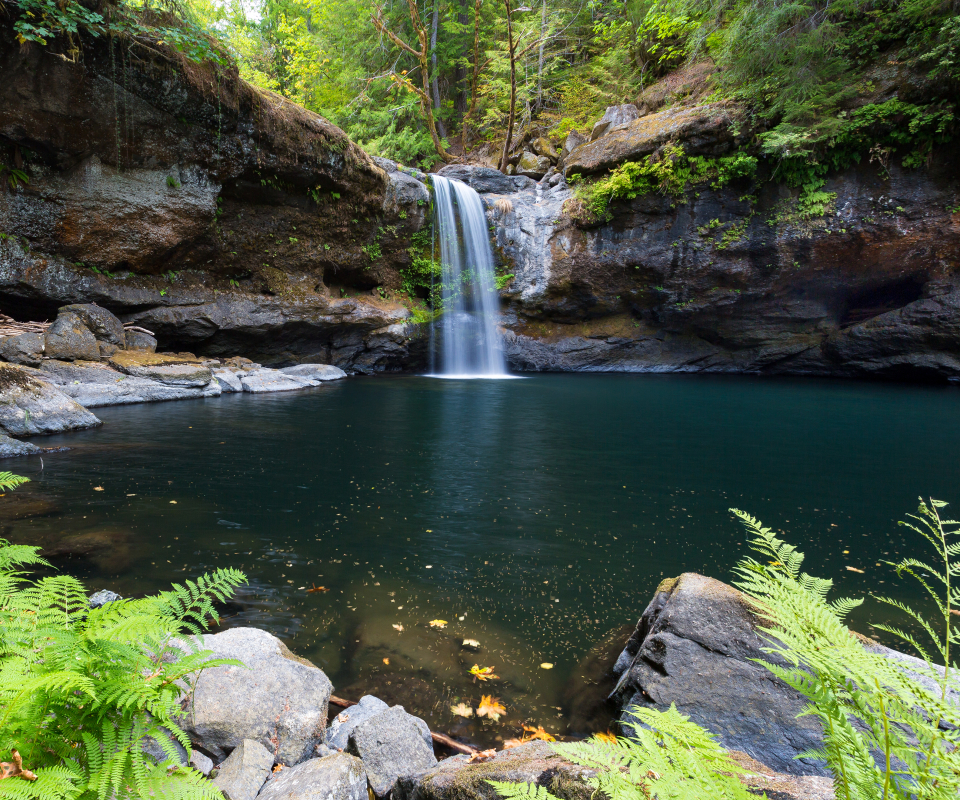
[{"x": 469, "y": 341}]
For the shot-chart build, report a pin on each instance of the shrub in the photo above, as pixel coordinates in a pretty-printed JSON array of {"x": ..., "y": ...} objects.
[{"x": 82, "y": 689}]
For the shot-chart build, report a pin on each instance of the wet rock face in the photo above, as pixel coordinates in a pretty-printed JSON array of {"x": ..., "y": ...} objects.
[
  {"x": 723, "y": 283},
  {"x": 194, "y": 186},
  {"x": 29, "y": 406}
]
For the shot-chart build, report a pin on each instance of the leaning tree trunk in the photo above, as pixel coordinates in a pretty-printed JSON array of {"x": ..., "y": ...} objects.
[
  {"x": 513, "y": 88},
  {"x": 434, "y": 86}
]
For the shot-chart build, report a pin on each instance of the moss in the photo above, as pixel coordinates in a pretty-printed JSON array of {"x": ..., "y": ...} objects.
[{"x": 667, "y": 585}]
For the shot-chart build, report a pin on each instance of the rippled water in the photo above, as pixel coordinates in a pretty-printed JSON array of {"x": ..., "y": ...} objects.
[{"x": 534, "y": 516}]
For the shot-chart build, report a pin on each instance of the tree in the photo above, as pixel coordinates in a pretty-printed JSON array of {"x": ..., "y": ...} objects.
[{"x": 423, "y": 56}]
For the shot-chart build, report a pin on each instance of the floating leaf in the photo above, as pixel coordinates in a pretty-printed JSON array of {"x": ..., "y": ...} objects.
[
  {"x": 483, "y": 673},
  {"x": 854, "y": 569},
  {"x": 546, "y": 665},
  {"x": 315, "y": 588},
  {"x": 462, "y": 710},
  {"x": 438, "y": 623},
  {"x": 386, "y": 661},
  {"x": 538, "y": 733},
  {"x": 471, "y": 643},
  {"x": 607, "y": 738},
  {"x": 98, "y": 488},
  {"x": 491, "y": 707},
  {"x": 398, "y": 627}
]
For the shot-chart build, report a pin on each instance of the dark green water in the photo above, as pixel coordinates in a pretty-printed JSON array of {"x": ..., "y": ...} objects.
[{"x": 533, "y": 515}]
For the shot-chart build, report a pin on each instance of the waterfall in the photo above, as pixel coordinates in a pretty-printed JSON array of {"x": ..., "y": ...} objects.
[{"x": 470, "y": 344}]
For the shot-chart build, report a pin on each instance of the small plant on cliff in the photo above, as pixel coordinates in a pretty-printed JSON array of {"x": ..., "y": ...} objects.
[{"x": 81, "y": 689}]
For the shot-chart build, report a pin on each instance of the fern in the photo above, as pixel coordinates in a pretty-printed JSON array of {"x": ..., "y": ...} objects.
[
  {"x": 888, "y": 734},
  {"x": 10, "y": 481},
  {"x": 82, "y": 689},
  {"x": 668, "y": 757}
]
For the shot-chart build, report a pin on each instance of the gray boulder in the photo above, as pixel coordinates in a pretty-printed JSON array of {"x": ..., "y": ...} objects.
[
  {"x": 228, "y": 379},
  {"x": 391, "y": 745},
  {"x": 30, "y": 406},
  {"x": 338, "y": 734},
  {"x": 614, "y": 116},
  {"x": 694, "y": 646},
  {"x": 542, "y": 146},
  {"x": 100, "y": 322},
  {"x": 533, "y": 166},
  {"x": 316, "y": 372},
  {"x": 69, "y": 339},
  {"x": 486, "y": 179},
  {"x": 276, "y": 699},
  {"x": 10, "y": 448},
  {"x": 335, "y": 777},
  {"x": 245, "y": 771},
  {"x": 152, "y": 749},
  {"x": 101, "y": 598},
  {"x": 138, "y": 340},
  {"x": 201, "y": 763},
  {"x": 27, "y": 348},
  {"x": 572, "y": 142},
  {"x": 457, "y": 779},
  {"x": 272, "y": 380}
]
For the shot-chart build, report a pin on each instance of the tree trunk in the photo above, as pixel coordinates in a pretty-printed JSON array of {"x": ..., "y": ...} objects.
[
  {"x": 460, "y": 74},
  {"x": 434, "y": 86},
  {"x": 513, "y": 88},
  {"x": 477, "y": 66}
]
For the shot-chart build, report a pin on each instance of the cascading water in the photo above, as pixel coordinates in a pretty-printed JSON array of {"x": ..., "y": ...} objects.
[{"x": 470, "y": 343}]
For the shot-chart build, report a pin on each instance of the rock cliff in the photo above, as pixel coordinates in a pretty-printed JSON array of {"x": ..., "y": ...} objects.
[{"x": 178, "y": 196}]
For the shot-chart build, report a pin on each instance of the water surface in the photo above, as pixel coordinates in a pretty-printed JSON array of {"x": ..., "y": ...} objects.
[{"x": 534, "y": 516}]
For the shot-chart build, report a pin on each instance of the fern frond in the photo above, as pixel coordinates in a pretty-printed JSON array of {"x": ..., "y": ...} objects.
[
  {"x": 9, "y": 481},
  {"x": 521, "y": 791}
]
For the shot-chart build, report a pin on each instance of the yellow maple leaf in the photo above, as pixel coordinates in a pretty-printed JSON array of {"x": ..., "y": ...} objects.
[
  {"x": 606, "y": 738},
  {"x": 512, "y": 743},
  {"x": 538, "y": 733},
  {"x": 438, "y": 623},
  {"x": 483, "y": 673},
  {"x": 462, "y": 710},
  {"x": 490, "y": 707}
]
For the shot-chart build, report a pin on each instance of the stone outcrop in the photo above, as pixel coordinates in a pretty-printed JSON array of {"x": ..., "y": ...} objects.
[
  {"x": 334, "y": 777},
  {"x": 29, "y": 406},
  {"x": 233, "y": 218},
  {"x": 275, "y": 698},
  {"x": 613, "y": 118},
  {"x": 392, "y": 746},
  {"x": 244, "y": 771}
]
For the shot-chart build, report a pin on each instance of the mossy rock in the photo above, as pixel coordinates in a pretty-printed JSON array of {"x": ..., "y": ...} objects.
[{"x": 536, "y": 762}]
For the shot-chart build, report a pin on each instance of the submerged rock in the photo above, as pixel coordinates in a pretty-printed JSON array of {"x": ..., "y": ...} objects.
[
  {"x": 243, "y": 773},
  {"x": 276, "y": 699},
  {"x": 391, "y": 746},
  {"x": 334, "y": 777},
  {"x": 457, "y": 779},
  {"x": 30, "y": 406}
]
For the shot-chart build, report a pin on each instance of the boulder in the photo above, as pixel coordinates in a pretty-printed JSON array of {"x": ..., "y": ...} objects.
[
  {"x": 27, "y": 348},
  {"x": 338, "y": 734},
  {"x": 572, "y": 142},
  {"x": 100, "y": 322},
  {"x": 485, "y": 180},
  {"x": 201, "y": 763},
  {"x": 101, "y": 598},
  {"x": 614, "y": 116},
  {"x": 229, "y": 380},
  {"x": 542, "y": 146},
  {"x": 70, "y": 339},
  {"x": 272, "y": 380},
  {"x": 14, "y": 447},
  {"x": 695, "y": 646},
  {"x": 533, "y": 166},
  {"x": 93, "y": 385},
  {"x": 152, "y": 749},
  {"x": 536, "y": 762},
  {"x": 173, "y": 369},
  {"x": 391, "y": 746},
  {"x": 276, "y": 699},
  {"x": 30, "y": 406},
  {"x": 711, "y": 129},
  {"x": 245, "y": 771},
  {"x": 316, "y": 372},
  {"x": 138, "y": 340},
  {"x": 335, "y": 777}
]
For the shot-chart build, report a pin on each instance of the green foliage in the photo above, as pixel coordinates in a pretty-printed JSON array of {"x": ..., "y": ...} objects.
[
  {"x": 888, "y": 734},
  {"x": 667, "y": 756},
  {"x": 172, "y": 182},
  {"x": 15, "y": 177},
  {"x": 671, "y": 173},
  {"x": 373, "y": 251},
  {"x": 81, "y": 689},
  {"x": 9, "y": 481}
]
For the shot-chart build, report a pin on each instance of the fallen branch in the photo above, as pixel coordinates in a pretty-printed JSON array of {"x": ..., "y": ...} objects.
[{"x": 439, "y": 738}]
